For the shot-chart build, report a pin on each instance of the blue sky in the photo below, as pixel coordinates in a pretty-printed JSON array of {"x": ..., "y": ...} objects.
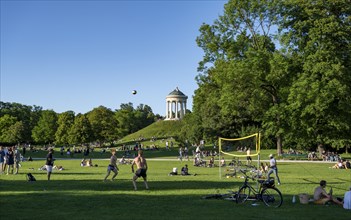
[{"x": 78, "y": 55}]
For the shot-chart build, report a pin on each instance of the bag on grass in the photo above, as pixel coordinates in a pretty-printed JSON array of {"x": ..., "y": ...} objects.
[{"x": 30, "y": 177}]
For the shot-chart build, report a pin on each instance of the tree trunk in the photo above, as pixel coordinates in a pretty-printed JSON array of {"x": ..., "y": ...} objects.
[{"x": 320, "y": 149}]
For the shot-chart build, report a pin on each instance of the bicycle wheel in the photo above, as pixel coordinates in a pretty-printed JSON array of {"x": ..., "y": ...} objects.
[
  {"x": 272, "y": 197},
  {"x": 243, "y": 194}
]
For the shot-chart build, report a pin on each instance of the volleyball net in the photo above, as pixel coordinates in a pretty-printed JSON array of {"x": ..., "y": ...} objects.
[{"x": 247, "y": 147}]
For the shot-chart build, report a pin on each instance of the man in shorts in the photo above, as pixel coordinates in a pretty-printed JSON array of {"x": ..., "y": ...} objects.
[
  {"x": 112, "y": 166},
  {"x": 141, "y": 164},
  {"x": 49, "y": 163}
]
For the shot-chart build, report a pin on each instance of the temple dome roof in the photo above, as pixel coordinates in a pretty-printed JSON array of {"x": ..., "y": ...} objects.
[{"x": 177, "y": 93}]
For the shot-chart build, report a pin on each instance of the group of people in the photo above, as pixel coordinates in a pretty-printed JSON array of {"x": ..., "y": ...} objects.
[
  {"x": 183, "y": 153},
  {"x": 341, "y": 164},
  {"x": 184, "y": 171},
  {"x": 10, "y": 159}
]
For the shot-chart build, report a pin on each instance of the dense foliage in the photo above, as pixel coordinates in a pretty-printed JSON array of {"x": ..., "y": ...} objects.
[
  {"x": 31, "y": 124},
  {"x": 279, "y": 67}
]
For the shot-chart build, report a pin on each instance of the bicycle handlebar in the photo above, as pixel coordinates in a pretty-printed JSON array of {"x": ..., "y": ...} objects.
[{"x": 244, "y": 172}]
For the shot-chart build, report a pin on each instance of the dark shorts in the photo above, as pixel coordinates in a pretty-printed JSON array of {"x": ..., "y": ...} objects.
[
  {"x": 141, "y": 173},
  {"x": 111, "y": 168}
]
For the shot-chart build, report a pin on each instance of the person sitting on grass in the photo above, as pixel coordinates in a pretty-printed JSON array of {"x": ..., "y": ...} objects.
[
  {"x": 211, "y": 162},
  {"x": 122, "y": 160},
  {"x": 223, "y": 163},
  {"x": 321, "y": 197},
  {"x": 90, "y": 163},
  {"x": 263, "y": 168},
  {"x": 185, "y": 170},
  {"x": 347, "y": 164},
  {"x": 339, "y": 165},
  {"x": 83, "y": 163},
  {"x": 174, "y": 172}
]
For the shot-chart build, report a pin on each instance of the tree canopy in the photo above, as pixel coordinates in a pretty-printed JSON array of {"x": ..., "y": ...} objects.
[
  {"x": 100, "y": 125},
  {"x": 282, "y": 67}
]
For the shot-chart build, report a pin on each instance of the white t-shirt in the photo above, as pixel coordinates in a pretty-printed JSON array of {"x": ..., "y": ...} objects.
[
  {"x": 347, "y": 200},
  {"x": 272, "y": 162},
  {"x": 197, "y": 149}
]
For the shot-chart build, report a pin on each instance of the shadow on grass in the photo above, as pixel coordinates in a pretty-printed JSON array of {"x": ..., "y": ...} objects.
[
  {"x": 55, "y": 203},
  {"x": 119, "y": 184}
]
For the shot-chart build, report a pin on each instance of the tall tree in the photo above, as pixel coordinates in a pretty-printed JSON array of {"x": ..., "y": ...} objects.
[
  {"x": 81, "y": 131},
  {"x": 44, "y": 131},
  {"x": 65, "y": 122},
  {"x": 247, "y": 76},
  {"x": 126, "y": 119},
  {"x": 28, "y": 115},
  {"x": 318, "y": 33},
  {"x": 103, "y": 124},
  {"x": 144, "y": 116},
  {"x": 11, "y": 130}
]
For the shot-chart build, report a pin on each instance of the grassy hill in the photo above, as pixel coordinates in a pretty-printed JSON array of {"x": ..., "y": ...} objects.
[{"x": 160, "y": 130}]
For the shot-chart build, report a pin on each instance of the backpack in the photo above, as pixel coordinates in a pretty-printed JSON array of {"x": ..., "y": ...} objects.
[{"x": 30, "y": 177}]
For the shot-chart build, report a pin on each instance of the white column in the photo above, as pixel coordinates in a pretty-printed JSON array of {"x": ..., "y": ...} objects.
[
  {"x": 172, "y": 107},
  {"x": 170, "y": 110},
  {"x": 177, "y": 103},
  {"x": 166, "y": 109},
  {"x": 181, "y": 110}
]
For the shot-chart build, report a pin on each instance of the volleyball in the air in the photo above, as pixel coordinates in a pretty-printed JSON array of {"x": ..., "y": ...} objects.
[{"x": 134, "y": 92}]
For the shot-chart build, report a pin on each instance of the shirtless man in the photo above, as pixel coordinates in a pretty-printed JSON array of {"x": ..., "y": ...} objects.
[
  {"x": 141, "y": 164},
  {"x": 112, "y": 166}
]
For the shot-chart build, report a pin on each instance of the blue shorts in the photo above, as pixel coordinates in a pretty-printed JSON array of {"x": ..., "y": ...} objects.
[{"x": 111, "y": 168}]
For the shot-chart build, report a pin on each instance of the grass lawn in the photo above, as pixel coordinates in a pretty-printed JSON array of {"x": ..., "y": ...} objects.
[{"x": 79, "y": 193}]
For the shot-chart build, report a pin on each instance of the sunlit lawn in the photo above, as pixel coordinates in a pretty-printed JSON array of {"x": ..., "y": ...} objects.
[{"x": 79, "y": 193}]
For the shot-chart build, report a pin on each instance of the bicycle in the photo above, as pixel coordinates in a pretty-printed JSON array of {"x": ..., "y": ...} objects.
[{"x": 267, "y": 192}]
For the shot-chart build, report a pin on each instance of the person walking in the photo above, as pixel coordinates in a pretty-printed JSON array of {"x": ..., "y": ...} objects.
[
  {"x": 273, "y": 168},
  {"x": 49, "y": 163},
  {"x": 142, "y": 167},
  {"x": 181, "y": 151},
  {"x": 112, "y": 166}
]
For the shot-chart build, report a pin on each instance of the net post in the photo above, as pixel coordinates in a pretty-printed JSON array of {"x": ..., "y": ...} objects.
[{"x": 219, "y": 159}]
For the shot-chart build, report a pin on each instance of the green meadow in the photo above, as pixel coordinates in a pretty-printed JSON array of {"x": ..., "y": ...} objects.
[{"x": 80, "y": 193}]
